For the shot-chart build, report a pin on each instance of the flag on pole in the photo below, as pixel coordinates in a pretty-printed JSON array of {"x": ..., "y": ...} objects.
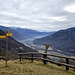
[
  {"x": 2, "y": 36},
  {"x": 8, "y": 33}
]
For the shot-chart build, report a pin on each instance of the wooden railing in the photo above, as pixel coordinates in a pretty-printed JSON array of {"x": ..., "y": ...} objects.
[
  {"x": 3, "y": 58},
  {"x": 46, "y": 58}
]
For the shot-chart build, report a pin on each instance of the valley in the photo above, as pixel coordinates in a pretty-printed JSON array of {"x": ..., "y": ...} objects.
[
  {"x": 41, "y": 48},
  {"x": 62, "y": 41}
]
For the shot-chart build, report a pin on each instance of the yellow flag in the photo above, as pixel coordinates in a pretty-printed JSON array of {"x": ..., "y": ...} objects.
[
  {"x": 8, "y": 34},
  {"x": 5, "y": 36},
  {"x": 2, "y": 37}
]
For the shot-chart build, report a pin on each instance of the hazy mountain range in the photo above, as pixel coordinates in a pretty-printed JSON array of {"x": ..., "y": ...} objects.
[
  {"x": 13, "y": 46},
  {"x": 18, "y": 34},
  {"x": 23, "y": 34},
  {"x": 63, "y": 40}
]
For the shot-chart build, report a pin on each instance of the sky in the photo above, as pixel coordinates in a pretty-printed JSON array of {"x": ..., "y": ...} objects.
[{"x": 42, "y": 15}]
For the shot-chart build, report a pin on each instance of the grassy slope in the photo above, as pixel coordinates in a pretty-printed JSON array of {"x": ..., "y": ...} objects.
[{"x": 25, "y": 67}]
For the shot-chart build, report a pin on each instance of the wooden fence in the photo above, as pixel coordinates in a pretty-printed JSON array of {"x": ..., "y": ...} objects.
[{"x": 46, "y": 58}]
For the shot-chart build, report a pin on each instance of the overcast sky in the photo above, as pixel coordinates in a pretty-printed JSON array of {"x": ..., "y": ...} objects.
[{"x": 43, "y": 15}]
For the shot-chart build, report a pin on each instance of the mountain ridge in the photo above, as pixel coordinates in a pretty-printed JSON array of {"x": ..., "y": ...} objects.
[
  {"x": 13, "y": 47},
  {"x": 63, "y": 40},
  {"x": 23, "y": 33}
]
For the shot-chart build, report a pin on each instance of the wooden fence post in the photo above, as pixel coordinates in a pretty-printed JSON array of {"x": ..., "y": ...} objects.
[
  {"x": 20, "y": 57},
  {"x": 67, "y": 62},
  {"x": 44, "y": 56},
  {"x": 31, "y": 57}
]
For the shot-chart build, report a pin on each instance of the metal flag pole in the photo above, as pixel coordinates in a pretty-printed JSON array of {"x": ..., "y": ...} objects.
[
  {"x": 8, "y": 34},
  {"x": 6, "y": 50}
]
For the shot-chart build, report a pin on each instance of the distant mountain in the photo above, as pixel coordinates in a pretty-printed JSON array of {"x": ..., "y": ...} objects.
[
  {"x": 29, "y": 33},
  {"x": 13, "y": 46},
  {"x": 22, "y": 33},
  {"x": 16, "y": 35},
  {"x": 63, "y": 40}
]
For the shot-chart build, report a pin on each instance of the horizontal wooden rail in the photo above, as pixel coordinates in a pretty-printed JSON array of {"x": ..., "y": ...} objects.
[
  {"x": 47, "y": 54},
  {"x": 59, "y": 63},
  {"x": 66, "y": 57},
  {"x": 46, "y": 59},
  {"x": 3, "y": 58}
]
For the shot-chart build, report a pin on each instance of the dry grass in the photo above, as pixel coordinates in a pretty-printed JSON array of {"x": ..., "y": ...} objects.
[{"x": 25, "y": 67}]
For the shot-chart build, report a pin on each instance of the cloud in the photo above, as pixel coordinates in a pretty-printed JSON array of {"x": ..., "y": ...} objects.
[
  {"x": 43, "y": 15},
  {"x": 70, "y": 8}
]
